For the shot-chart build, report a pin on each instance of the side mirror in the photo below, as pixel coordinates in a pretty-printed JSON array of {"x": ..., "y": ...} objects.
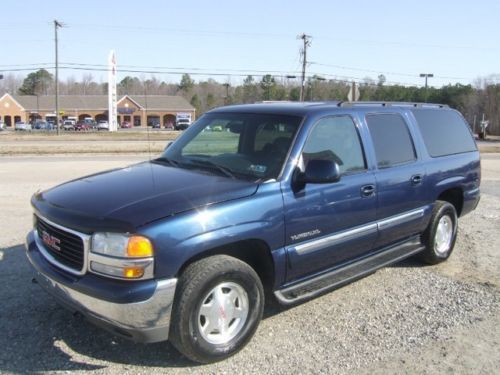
[{"x": 320, "y": 172}]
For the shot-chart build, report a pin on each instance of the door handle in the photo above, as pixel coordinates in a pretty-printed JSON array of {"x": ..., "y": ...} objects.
[
  {"x": 416, "y": 179},
  {"x": 367, "y": 190}
]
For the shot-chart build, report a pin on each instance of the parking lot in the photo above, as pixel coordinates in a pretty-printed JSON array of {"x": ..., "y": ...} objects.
[{"x": 407, "y": 318}]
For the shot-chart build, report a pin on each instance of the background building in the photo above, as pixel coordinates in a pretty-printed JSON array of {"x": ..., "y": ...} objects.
[{"x": 139, "y": 110}]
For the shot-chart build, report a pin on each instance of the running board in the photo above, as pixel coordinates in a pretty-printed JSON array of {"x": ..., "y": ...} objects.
[{"x": 341, "y": 276}]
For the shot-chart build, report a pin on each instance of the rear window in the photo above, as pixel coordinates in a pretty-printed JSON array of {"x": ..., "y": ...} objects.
[
  {"x": 444, "y": 132},
  {"x": 391, "y": 139}
]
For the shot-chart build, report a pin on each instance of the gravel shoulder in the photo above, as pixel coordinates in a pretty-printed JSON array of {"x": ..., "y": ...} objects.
[{"x": 407, "y": 318}]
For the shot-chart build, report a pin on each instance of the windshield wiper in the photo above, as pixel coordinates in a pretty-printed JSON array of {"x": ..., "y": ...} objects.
[
  {"x": 164, "y": 159},
  {"x": 203, "y": 162}
]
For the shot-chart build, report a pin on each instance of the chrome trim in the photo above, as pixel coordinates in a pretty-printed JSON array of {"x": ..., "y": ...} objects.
[
  {"x": 146, "y": 263},
  {"x": 400, "y": 219},
  {"x": 151, "y": 314},
  {"x": 473, "y": 191},
  {"x": 318, "y": 244},
  {"x": 86, "y": 246}
]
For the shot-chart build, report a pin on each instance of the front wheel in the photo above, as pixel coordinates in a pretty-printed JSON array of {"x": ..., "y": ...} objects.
[
  {"x": 440, "y": 236},
  {"x": 217, "y": 308}
]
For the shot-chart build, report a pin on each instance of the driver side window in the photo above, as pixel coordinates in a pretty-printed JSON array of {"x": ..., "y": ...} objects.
[{"x": 335, "y": 138}]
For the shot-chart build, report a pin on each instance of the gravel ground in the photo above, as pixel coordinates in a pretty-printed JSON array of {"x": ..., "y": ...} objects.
[{"x": 407, "y": 318}]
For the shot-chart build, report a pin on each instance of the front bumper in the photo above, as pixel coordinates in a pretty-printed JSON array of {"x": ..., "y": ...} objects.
[{"x": 146, "y": 320}]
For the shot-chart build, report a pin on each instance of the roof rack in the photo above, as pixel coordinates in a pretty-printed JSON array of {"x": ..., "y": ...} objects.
[{"x": 391, "y": 104}]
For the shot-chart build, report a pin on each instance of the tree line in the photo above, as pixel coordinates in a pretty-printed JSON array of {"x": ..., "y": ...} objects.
[{"x": 473, "y": 101}]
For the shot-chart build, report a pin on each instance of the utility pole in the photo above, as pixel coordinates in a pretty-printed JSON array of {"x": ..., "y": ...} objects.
[
  {"x": 56, "y": 25},
  {"x": 307, "y": 42}
]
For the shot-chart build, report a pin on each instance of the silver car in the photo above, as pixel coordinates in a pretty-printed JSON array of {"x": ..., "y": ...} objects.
[{"x": 21, "y": 125}]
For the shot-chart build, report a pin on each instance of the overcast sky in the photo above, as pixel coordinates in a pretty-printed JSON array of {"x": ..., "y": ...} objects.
[{"x": 457, "y": 41}]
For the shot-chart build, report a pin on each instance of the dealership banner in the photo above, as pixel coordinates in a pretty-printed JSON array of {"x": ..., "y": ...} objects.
[{"x": 112, "y": 110}]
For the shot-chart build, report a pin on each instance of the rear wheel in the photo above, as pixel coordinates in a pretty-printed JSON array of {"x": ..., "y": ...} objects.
[
  {"x": 440, "y": 236},
  {"x": 218, "y": 306}
]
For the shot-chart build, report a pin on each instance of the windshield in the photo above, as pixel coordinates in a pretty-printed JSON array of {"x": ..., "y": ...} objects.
[{"x": 236, "y": 145}]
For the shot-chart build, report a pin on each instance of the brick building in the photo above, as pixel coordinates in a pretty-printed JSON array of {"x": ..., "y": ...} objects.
[{"x": 139, "y": 110}]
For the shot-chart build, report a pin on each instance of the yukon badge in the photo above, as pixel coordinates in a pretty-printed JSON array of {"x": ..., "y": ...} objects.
[
  {"x": 301, "y": 236},
  {"x": 51, "y": 241}
]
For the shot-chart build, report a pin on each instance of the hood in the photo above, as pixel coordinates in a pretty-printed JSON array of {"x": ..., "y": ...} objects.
[{"x": 124, "y": 199}]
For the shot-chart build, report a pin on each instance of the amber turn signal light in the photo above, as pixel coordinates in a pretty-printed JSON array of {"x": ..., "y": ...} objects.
[{"x": 139, "y": 247}]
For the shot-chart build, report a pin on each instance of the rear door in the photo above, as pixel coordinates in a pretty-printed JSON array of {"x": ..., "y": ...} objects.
[
  {"x": 329, "y": 224},
  {"x": 400, "y": 178}
]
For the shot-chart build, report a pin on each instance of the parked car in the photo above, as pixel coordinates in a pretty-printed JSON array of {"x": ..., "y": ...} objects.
[
  {"x": 22, "y": 126},
  {"x": 42, "y": 125},
  {"x": 125, "y": 125},
  {"x": 102, "y": 125},
  {"x": 68, "y": 125},
  {"x": 182, "y": 124},
  {"x": 82, "y": 126},
  {"x": 294, "y": 199},
  {"x": 91, "y": 123}
]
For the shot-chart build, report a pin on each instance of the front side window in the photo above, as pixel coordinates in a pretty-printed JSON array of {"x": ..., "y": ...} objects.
[
  {"x": 391, "y": 140},
  {"x": 336, "y": 139},
  {"x": 237, "y": 145}
]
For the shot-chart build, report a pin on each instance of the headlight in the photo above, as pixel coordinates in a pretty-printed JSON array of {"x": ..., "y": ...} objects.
[
  {"x": 120, "y": 245},
  {"x": 121, "y": 256}
]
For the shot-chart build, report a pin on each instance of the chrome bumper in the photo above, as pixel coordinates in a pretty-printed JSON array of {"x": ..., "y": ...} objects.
[{"x": 143, "y": 321}]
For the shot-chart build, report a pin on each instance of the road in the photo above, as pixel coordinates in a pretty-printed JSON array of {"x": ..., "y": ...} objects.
[{"x": 407, "y": 318}]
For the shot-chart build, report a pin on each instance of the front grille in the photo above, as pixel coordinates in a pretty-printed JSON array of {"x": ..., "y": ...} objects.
[{"x": 65, "y": 247}]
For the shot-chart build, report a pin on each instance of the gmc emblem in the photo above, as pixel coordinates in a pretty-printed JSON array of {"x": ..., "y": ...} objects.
[{"x": 51, "y": 241}]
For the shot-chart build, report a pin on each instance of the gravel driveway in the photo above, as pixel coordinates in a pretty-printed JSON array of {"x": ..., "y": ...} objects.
[{"x": 407, "y": 318}]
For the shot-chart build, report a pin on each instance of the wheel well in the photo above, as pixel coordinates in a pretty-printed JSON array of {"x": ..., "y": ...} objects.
[
  {"x": 454, "y": 196},
  {"x": 255, "y": 253}
]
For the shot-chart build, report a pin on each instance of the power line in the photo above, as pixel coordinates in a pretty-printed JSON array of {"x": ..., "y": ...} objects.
[{"x": 379, "y": 72}]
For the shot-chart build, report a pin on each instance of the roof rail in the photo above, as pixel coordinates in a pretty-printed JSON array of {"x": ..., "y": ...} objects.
[{"x": 390, "y": 104}]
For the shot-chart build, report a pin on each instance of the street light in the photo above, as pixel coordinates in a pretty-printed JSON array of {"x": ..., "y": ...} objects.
[
  {"x": 426, "y": 76},
  {"x": 226, "y": 85},
  {"x": 315, "y": 78}
]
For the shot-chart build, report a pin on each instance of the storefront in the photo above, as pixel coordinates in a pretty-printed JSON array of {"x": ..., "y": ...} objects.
[{"x": 138, "y": 110}]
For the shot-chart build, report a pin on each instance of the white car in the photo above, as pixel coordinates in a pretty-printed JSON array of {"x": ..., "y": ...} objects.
[
  {"x": 21, "y": 125},
  {"x": 103, "y": 125}
]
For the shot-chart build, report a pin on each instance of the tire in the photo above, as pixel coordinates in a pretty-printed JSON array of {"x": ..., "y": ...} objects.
[
  {"x": 198, "y": 322},
  {"x": 440, "y": 236}
]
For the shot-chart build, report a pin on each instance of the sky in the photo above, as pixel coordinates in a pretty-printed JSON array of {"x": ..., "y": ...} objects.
[{"x": 457, "y": 41}]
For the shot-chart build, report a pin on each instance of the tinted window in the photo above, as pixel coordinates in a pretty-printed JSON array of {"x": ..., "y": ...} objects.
[
  {"x": 391, "y": 139},
  {"x": 336, "y": 139},
  {"x": 444, "y": 132}
]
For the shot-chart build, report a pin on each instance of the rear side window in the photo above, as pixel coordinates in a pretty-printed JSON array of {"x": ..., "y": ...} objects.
[
  {"x": 391, "y": 140},
  {"x": 444, "y": 132}
]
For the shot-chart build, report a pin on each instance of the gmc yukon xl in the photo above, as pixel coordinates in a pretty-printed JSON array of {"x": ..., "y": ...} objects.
[{"x": 283, "y": 201}]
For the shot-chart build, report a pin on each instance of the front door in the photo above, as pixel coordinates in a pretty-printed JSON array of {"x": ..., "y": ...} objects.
[{"x": 330, "y": 224}]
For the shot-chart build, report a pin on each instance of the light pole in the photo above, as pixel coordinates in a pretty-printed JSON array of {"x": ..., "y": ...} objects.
[
  {"x": 426, "y": 76},
  {"x": 56, "y": 25},
  {"x": 288, "y": 77},
  {"x": 226, "y": 99},
  {"x": 313, "y": 82}
]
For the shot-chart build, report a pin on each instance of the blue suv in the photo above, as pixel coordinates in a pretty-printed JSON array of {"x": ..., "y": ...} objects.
[{"x": 277, "y": 201}]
